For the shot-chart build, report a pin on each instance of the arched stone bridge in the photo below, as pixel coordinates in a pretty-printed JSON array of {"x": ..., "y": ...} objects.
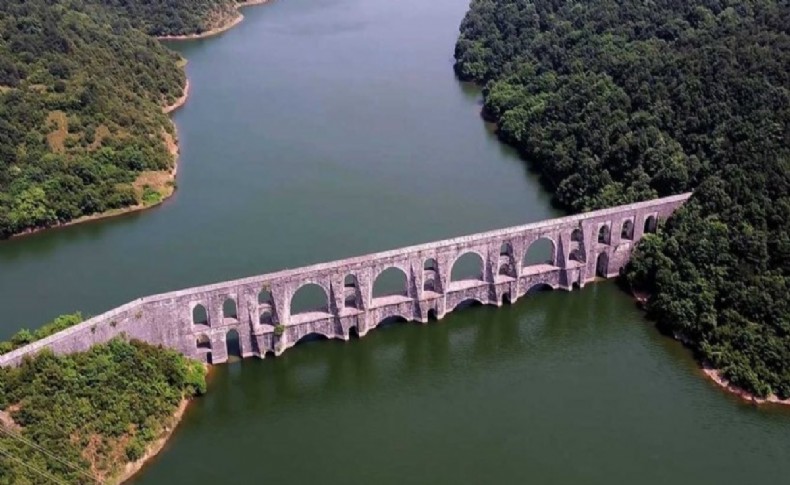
[{"x": 261, "y": 310}]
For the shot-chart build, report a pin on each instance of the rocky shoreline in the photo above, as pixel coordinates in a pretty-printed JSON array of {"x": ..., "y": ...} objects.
[{"x": 716, "y": 376}]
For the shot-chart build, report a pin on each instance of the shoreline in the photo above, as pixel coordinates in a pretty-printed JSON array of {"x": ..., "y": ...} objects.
[
  {"x": 219, "y": 29},
  {"x": 171, "y": 142},
  {"x": 130, "y": 469},
  {"x": 716, "y": 376}
]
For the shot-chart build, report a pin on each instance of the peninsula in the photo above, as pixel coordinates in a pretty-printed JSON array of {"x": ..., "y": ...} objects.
[{"x": 90, "y": 115}]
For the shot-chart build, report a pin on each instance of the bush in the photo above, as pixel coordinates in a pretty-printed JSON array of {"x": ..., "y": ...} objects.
[{"x": 116, "y": 398}]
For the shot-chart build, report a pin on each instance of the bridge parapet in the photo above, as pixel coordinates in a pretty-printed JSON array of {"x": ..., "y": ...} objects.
[{"x": 197, "y": 321}]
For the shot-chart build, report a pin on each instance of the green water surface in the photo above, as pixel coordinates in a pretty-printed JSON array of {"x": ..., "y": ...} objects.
[{"x": 321, "y": 129}]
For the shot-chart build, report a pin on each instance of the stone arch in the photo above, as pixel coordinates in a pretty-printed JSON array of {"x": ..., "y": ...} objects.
[
  {"x": 203, "y": 341},
  {"x": 651, "y": 224},
  {"x": 390, "y": 320},
  {"x": 199, "y": 315},
  {"x": 233, "y": 343},
  {"x": 430, "y": 264},
  {"x": 577, "y": 250},
  {"x": 229, "y": 309},
  {"x": 506, "y": 269},
  {"x": 541, "y": 251},
  {"x": 266, "y": 317},
  {"x": 468, "y": 266},
  {"x": 539, "y": 287},
  {"x": 391, "y": 281},
  {"x": 265, "y": 297},
  {"x": 203, "y": 346},
  {"x": 312, "y": 337},
  {"x": 433, "y": 315},
  {"x": 602, "y": 265},
  {"x": 604, "y": 234},
  {"x": 506, "y": 266},
  {"x": 430, "y": 276},
  {"x": 468, "y": 302},
  {"x": 627, "y": 229},
  {"x": 310, "y": 297},
  {"x": 351, "y": 292},
  {"x": 577, "y": 254},
  {"x": 506, "y": 299}
]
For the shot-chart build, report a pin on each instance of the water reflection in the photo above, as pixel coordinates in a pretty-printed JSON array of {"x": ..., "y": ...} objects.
[{"x": 474, "y": 337}]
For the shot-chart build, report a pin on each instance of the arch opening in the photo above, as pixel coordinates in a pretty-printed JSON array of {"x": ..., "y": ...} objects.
[
  {"x": 430, "y": 275},
  {"x": 351, "y": 292},
  {"x": 506, "y": 269},
  {"x": 390, "y": 282},
  {"x": 506, "y": 300},
  {"x": 603, "y": 234},
  {"x": 627, "y": 231},
  {"x": 199, "y": 315},
  {"x": 469, "y": 266},
  {"x": 539, "y": 288},
  {"x": 265, "y": 297},
  {"x": 229, "y": 308},
  {"x": 311, "y": 337},
  {"x": 602, "y": 265},
  {"x": 541, "y": 251},
  {"x": 651, "y": 224},
  {"x": 506, "y": 266},
  {"x": 266, "y": 318},
  {"x": 577, "y": 255},
  {"x": 233, "y": 343},
  {"x": 468, "y": 303},
  {"x": 391, "y": 321},
  {"x": 353, "y": 332},
  {"x": 577, "y": 235},
  {"x": 309, "y": 298},
  {"x": 432, "y": 315},
  {"x": 203, "y": 342}
]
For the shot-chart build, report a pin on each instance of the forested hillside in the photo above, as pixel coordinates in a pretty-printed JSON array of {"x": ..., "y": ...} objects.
[
  {"x": 172, "y": 17},
  {"x": 89, "y": 413},
  {"x": 81, "y": 93},
  {"x": 618, "y": 101}
]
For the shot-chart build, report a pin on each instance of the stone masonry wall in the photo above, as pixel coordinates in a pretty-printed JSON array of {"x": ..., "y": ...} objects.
[{"x": 585, "y": 246}]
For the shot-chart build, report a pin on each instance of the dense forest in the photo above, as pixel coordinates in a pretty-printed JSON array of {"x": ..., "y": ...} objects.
[
  {"x": 173, "y": 17},
  {"x": 53, "y": 402},
  {"x": 82, "y": 86},
  {"x": 618, "y": 101}
]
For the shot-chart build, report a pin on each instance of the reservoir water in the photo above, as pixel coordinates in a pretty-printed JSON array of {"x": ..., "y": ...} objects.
[{"x": 320, "y": 129}]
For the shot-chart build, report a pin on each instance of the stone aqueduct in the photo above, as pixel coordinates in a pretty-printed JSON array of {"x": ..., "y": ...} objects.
[{"x": 197, "y": 321}]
